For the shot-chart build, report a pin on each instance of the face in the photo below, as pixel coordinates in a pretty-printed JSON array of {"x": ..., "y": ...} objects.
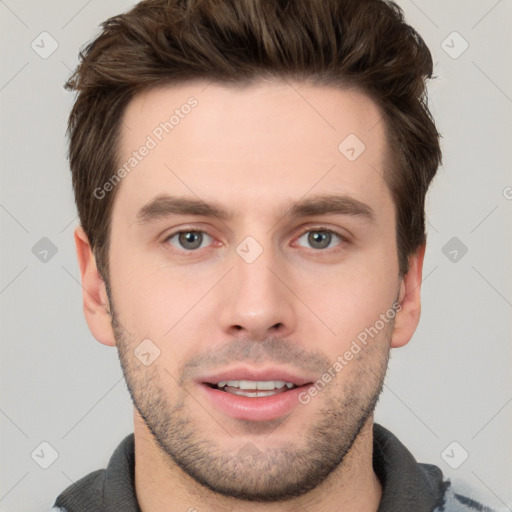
[{"x": 249, "y": 255}]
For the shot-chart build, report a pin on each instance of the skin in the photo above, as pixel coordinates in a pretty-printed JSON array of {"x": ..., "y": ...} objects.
[{"x": 255, "y": 151}]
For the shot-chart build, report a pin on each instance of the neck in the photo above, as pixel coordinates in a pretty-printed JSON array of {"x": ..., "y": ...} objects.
[{"x": 161, "y": 486}]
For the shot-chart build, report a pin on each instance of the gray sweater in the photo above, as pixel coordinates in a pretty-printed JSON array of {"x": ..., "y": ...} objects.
[{"x": 407, "y": 486}]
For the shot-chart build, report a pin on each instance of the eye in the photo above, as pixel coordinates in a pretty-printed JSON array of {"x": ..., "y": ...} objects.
[
  {"x": 188, "y": 240},
  {"x": 321, "y": 238}
]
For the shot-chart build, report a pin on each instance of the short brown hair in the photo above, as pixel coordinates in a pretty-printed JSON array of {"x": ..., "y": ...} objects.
[{"x": 364, "y": 44}]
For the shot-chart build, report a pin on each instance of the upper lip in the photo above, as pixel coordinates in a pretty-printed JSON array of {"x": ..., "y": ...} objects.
[{"x": 256, "y": 374}]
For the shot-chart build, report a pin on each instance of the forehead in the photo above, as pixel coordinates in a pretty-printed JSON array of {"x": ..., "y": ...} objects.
[{"x": 266, "y": 140}]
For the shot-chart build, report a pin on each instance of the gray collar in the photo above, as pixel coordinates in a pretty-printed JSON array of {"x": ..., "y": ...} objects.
[{"x": 406, "y": 484}]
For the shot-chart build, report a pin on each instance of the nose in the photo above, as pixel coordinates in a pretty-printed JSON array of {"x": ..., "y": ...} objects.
[{"x": 255, "y": 300}]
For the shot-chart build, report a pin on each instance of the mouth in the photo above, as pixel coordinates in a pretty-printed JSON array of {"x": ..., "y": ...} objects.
[
  {"x": 253, "y": 389},
  {"x": 254, "y": 395}
]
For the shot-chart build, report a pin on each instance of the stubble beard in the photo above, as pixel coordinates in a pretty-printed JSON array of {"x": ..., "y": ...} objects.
[{"x": 255, "y": 473}]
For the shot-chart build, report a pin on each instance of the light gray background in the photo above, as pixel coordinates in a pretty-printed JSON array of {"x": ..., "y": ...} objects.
[{"x": 451, "y": 383}]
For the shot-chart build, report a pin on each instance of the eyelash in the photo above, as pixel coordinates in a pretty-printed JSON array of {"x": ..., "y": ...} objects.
[{"x": 343, "y": 238}]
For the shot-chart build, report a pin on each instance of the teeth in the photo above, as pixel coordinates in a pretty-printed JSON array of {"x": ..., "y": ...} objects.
[
  {"x": 264, "y": 385},
  {"x": 253, "y": 394}
]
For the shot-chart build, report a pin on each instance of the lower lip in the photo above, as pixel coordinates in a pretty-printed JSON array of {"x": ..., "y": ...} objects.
[{"x": 263, "y": 408}]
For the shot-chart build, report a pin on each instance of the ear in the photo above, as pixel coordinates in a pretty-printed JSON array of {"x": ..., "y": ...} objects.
[
  {"x": 408, "y": 317},
  {"x": 94, "y": 293}
]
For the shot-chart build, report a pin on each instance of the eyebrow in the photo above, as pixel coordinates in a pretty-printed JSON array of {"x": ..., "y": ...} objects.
[{"x": 165, "y": 205}]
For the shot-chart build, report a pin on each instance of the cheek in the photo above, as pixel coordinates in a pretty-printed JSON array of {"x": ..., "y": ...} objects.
[
  {"x": 351, "y": 298},
  {"x": 156, "y": 301},
  {"x": 138, "y": 293}
]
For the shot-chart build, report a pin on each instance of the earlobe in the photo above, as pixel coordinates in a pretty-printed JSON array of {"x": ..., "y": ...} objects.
[
  {"x": 94, "y": 293},
  {"x": 408, "y": 317}
]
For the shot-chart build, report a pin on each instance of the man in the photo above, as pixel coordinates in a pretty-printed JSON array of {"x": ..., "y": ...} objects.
[{"x": 250, "y": 177}]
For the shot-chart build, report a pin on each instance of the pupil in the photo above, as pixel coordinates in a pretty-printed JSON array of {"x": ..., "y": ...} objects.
[
  {"x": 190, "y": 239},
  {"x": 319, "y": 239}
]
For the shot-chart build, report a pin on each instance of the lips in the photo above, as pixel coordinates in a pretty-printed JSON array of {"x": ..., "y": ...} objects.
[{"x": 254, "y": 394}]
